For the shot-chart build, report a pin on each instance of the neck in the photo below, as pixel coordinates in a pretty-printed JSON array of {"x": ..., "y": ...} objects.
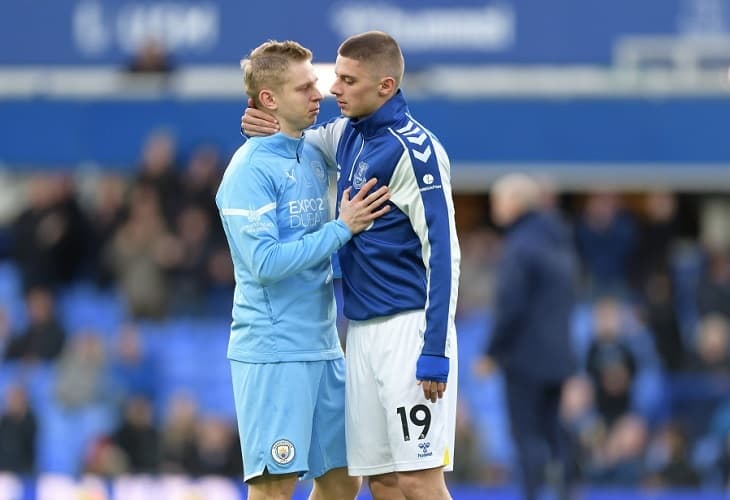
[{"x": 290, "y": 131}]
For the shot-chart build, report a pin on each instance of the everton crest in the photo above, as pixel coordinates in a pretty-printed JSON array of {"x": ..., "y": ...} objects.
[{"x": 360, "y": 176}]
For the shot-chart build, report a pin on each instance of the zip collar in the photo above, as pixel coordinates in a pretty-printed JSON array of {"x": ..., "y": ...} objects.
[
  {"x": 391, "y": 112},
  {"x": 282, "y": 145}
]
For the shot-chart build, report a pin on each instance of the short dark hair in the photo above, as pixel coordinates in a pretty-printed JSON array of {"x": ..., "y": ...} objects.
[{"x": 375, "y": 47}]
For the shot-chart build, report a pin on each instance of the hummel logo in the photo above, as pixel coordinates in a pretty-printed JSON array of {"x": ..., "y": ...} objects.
[{"x": 290, "y": 175}]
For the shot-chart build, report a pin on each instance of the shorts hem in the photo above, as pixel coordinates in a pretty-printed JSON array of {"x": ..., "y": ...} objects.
[
  {"x": 259, "y": 473},
  {"x": 375, "y": 470},
  {"x": 321, "y": 472}
]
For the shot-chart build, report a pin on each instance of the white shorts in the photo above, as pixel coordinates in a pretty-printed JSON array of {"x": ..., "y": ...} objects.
[{"x": 390, "y": 425}]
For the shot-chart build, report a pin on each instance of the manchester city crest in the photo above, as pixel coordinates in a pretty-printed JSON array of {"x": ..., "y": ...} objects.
[
  {"x": 360, "y": 175},
  {"x": 282, "y": 452},
  {"x": 319, "y": 171}
]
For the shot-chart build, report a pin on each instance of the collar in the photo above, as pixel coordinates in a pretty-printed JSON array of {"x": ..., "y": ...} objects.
[
  {"x": 283, "y": 145},
  {"x": 391, "y": 112}
]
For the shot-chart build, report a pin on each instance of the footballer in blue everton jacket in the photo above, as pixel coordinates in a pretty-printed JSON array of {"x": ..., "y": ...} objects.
[{"x": 400, "y": 277}]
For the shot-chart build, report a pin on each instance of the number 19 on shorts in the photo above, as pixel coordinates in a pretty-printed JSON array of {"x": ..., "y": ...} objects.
[{"x": 419, "y": 415}]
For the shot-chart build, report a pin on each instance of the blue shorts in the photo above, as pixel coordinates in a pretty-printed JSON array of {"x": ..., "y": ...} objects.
[{"x": 291, "y": 416}]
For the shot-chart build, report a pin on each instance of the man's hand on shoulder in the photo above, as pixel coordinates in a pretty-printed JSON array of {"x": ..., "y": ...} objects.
[{"x": 256, "y": 123}]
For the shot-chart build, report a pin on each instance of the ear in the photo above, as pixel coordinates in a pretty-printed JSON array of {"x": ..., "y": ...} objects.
[
  {"x": 268, "y": 100},
  {"x": 387, "y": 86}
]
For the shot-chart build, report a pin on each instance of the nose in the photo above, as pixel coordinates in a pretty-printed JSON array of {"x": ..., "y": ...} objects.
[
  {"x": 317, "y": 96},
  {"x": 335, "y": 89}
]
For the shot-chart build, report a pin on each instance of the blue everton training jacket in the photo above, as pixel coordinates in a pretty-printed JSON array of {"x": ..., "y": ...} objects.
[{"x": 409, "y": 258}]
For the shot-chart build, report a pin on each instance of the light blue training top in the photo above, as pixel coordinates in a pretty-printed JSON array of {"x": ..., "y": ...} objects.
[{"x": 274, "y": 206}]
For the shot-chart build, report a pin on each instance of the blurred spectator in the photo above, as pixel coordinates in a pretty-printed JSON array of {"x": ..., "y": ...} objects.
[
  {"x": 656, "y": 236},
  {"x": 107, "y": 213},
  {"x": 217, "y": 450},
  {"x": 468, "y": 463},
  {"x": 200, "y": 182},
  {"x": 713, "y": 290},
  {"x": 151, "y": 58},
  {"x": 584, "y": 425},
  {"x": 82, "y": 377},
  {"x": 178, "y": 436},
  {"x": 620, "y": 462},
  {"x": 610, "y": 363},
  {"x": 17, "y": 433},
  {"x": 105, "y": 459},
  {"x": 191, "y": 276},
  {"x": 133, "y": 371},
  {"x": 606, "y": 240},
  {"x": 668, "y": 459},
  {"x": 158, "y": 170},
  {"x": 44, "y": 337},
  {"x": 50, "y": 235},
  {"x": 479, "y": 256},
  {"x": 531, "y": 334},
  {"x": 659, "y": 313},
  {"x": 711, "y": 352},
  {"x": 141, "y": 254},
  {"x": 137, "y": 437}
]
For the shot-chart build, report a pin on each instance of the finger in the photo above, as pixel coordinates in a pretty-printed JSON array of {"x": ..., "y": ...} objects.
[
  {"x": 365, "y": 189},
  {"x": 346, "y": 194},
  {"x": 374, "y": 196},
  {"x": 259, "y": 121},
  {"x": 440, "y": 389},
  {"x": 382, "y": 210}
]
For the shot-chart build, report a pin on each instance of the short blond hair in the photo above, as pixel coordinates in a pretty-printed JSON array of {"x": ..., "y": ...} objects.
[
  {"x": 377, "y": 49},
  {"x": 267, "y": 64}
]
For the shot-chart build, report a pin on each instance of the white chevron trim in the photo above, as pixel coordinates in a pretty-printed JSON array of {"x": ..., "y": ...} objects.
[
  {"x": 406, "y": 128},
  {"x": 418, "y": 140},
  {"x": 423, "y": 156}
]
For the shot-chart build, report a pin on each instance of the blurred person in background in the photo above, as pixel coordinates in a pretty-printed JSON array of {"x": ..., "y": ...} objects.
[
  {"x": 18, "y": 430},
  {"x": 44, "y": 337},
  {"x": 177, "y": 435},
  {"x": 585, "y": 427},
  {"x": 606, "y": 239},
  {"x": 658, "y": 311},
  {"x": 713, "y": 289},
  {"x": 158, "y": 169},
  {"x": 132, "y": 369},
  {"x": 50, "y": 235},
  {"x": 142, "y": 253},
  {"x": 137, "y": 437},
  {"x": 669, "y": 461},
  {"x": 107, "y": 212},
  {"x": 620, "y": 462},
  {"x": 657, "y": 233},
  {"x": 610, "y": 362},
  {"x": 217, "y": 450},
  {"x": 82, "y": 378},
  {"x": 151, "y": 58},
  {"x": 530, "y": 339},
  {"x": 711, "y": 351},
  {"x": 286, "y": 360}
]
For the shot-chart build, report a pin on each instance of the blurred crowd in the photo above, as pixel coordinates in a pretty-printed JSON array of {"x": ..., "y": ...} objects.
[{"x": 650, "y": 406}]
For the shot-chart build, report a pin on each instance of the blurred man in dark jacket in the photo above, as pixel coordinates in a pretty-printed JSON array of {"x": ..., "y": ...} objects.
[{"x": 530, "y": 340}]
